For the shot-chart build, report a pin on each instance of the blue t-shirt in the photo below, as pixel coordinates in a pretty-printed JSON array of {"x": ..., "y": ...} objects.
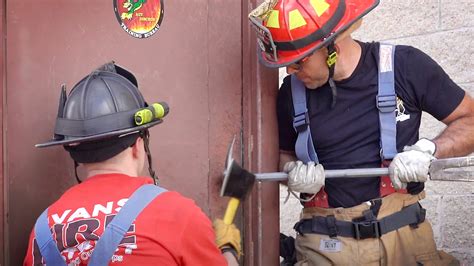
[{"x": 348, "y": 135}]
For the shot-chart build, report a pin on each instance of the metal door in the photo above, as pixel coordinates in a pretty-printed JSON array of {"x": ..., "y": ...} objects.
[{"x": 195, "y": 62}]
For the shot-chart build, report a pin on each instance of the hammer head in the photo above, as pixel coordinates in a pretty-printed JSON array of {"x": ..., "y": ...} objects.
[{"x": 237, "y": 181}]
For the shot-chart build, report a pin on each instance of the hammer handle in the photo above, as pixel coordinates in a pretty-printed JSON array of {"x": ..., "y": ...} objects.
[{"x": 231, "y": 210}]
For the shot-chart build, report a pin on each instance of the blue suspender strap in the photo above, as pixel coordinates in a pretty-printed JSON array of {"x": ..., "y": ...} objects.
[
  {"x": 116, "y": 230},
  {"x": 304, "y": 147},
  {"x": 48, "y": 248},
  {"x": 386, "y": 102}
]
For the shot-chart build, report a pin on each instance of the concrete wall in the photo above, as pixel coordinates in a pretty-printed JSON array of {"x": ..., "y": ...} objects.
[{"x": 444, "y": 30}]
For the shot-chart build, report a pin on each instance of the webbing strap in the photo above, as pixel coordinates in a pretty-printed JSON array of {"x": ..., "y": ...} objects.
[
  {"x": 304, "y": 147},
  {"x": 113, "y": 233},
  {"x": 411, "y": 215},
  {"x": 46, "y": 244},
  {"x": 387, "y": 102},
  {"x": 116, "y": 230}
]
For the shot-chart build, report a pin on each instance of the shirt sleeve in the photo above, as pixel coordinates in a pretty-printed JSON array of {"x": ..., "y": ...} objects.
[
  {"x": 287, "y": 135},
  {"x": 431, "y": 88},
  {"x": 198, "y": 242}
]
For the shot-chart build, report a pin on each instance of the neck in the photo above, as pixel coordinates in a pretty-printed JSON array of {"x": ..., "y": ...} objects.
[
  {"x": 101, "y": 171},
  {"x": 348, "y": 58},
  {"x": 121, "y": 165}
]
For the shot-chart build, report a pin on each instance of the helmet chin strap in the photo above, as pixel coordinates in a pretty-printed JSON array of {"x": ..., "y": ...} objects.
[
  {"x": 146, "y": 142},
  {"x": 331, "y": 62}
]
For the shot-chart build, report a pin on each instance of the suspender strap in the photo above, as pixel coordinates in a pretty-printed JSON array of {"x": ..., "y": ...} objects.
[
  {"x": 386, "y": 102},
  {"x": 46, "y": 244},
  {"x": 304, "y": 147},
  {"x": 411, "y": 215},
  {"x": 112, "y": 236},
  {"x": 116, "y": 230}
]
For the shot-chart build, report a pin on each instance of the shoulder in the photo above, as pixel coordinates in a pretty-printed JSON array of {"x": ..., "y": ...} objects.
[
  {"x": 370, "y": 47},
  {"x": 284, "y": 98},
  {"x": 172, "y": 211},
  {"x": 284, "y": 93},
  {"x": 407, "y": 50},
  {"x": 369, "y": 50},
  {"x": 285, "y": 85},
  {"x": 413, "y": 65},
  {"x": 178, "y": 198},
  {"x": 374, "y": 48},
  {"x": 411, "y": 57},
  {"x": 402, "y": 52},
  {"x": 173, "y": 203},
  {"x": 410, "y": 63}
]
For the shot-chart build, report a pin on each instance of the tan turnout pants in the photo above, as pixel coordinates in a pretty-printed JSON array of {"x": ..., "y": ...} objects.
[{"x": 405, "y": 246}]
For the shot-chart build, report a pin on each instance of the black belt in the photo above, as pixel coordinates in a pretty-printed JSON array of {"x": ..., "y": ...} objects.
[{"x": 411, "y": 215}]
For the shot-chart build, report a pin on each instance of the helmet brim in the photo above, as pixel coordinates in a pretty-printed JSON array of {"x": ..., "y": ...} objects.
[{"x": 72, "y": 140}]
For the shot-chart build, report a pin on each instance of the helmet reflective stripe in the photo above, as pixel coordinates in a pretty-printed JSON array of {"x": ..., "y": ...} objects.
[
  {"x": 317, "y": 35},
  {"x": 292, "y": 29},
  {"x": 320, "y": 6}
]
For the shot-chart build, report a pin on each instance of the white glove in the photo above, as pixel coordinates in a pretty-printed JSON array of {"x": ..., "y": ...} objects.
[
  {"x": 306, "y": 178},
  {"x": 412, "y": 165}
]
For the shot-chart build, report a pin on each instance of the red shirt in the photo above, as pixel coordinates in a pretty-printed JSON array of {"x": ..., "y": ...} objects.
[{"x": 171, "y": 230}]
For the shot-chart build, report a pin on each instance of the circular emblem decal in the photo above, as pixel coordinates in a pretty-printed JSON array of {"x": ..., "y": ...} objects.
[{"x": 139, "y": 18}]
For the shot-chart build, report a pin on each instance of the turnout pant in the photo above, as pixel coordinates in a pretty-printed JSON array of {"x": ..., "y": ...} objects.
[{"x": 408, "y": 245}]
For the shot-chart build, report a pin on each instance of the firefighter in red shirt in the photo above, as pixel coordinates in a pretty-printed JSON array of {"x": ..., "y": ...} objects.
[{"x": 115, "y": 216}]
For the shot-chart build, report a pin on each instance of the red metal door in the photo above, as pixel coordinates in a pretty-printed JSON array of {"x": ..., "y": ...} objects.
[{"x": 197, "y": 62}]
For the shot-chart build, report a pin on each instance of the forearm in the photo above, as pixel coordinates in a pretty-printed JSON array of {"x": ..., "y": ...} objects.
[
  {"x": 458, "y": 138},
  {"x": 285, "y": 156}
]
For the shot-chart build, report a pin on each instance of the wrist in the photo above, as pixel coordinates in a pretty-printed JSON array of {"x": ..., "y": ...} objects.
[
  {"x": 230, "y": 250},
  {"x": 426, "y": 145}
]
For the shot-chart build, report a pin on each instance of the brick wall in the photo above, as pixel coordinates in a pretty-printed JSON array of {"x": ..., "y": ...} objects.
[{"x": 444, "y": 30}]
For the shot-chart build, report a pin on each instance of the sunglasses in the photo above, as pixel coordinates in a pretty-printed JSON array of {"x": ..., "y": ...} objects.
[{"x": 299, "y": 64}]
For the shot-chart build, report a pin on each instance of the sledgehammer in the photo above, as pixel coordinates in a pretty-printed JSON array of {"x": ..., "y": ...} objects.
[{"x": 237, "y": 183}]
